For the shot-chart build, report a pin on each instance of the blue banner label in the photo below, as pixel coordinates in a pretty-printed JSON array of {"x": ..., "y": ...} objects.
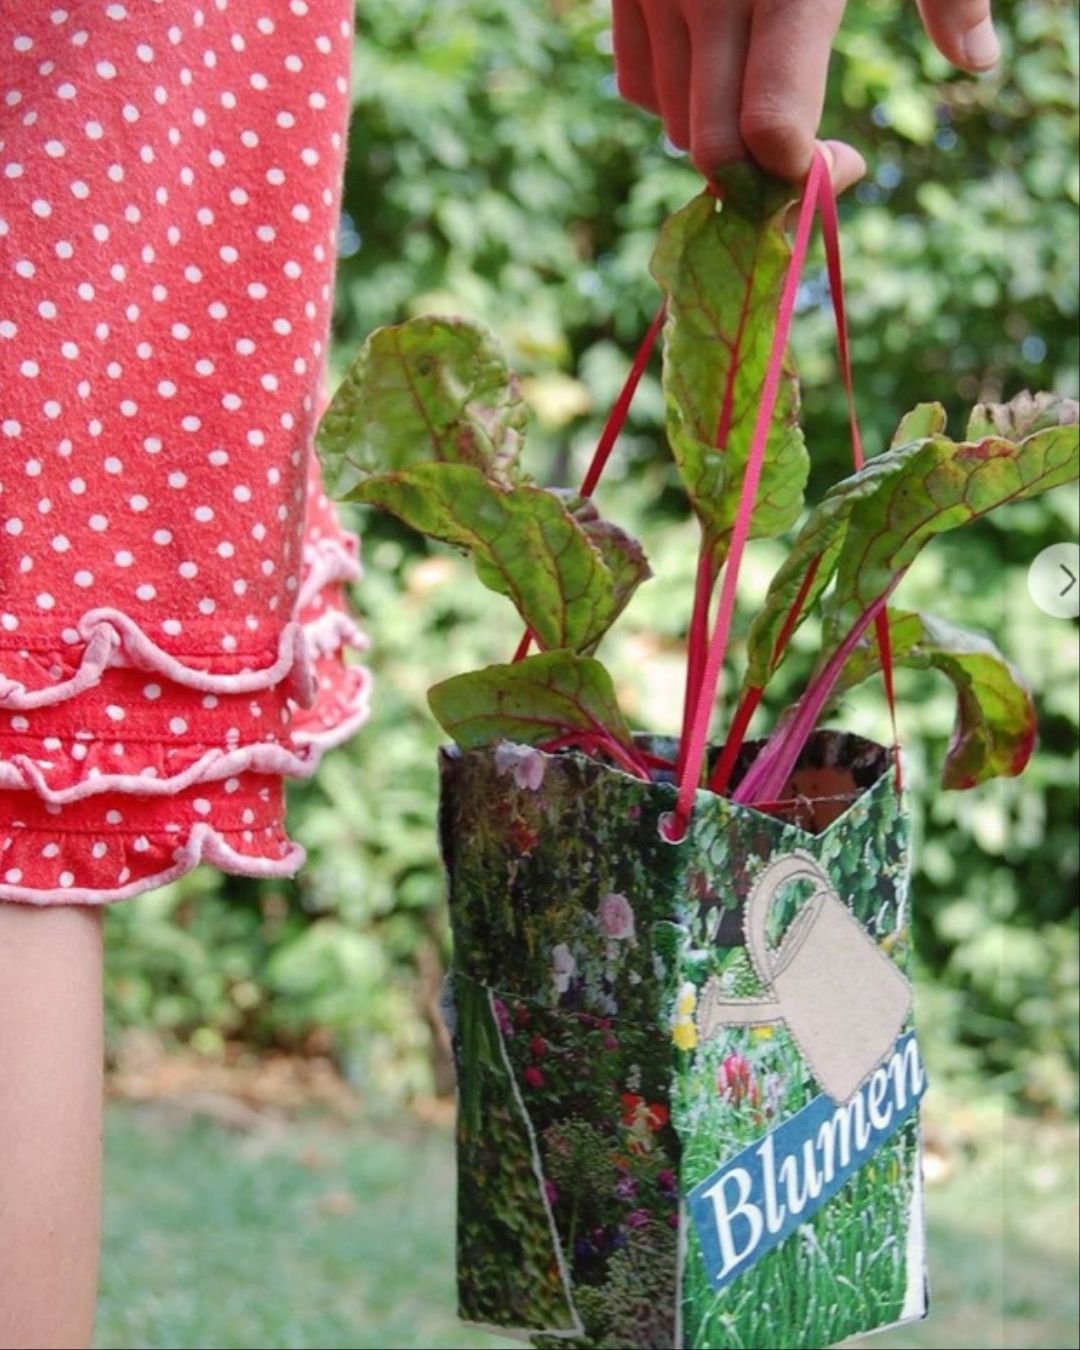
[{"x": 764, "y": 1193}]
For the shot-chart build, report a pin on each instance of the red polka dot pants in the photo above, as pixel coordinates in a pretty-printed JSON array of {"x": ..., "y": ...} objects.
[{"x": 174, "y": 632}]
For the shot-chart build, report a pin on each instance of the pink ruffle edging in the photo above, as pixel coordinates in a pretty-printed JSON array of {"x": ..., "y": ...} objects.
[{"x": 123, "y": 765}]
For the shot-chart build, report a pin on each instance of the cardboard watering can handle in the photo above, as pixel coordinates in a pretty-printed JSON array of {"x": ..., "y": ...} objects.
[
  {"x": 791, "y": 867},
  {"x": 714, "y": 1009}
]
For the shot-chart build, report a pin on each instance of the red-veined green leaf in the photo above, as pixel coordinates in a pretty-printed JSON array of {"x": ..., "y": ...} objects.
[
  {"x": 723, "y": 268},
  {"x": 543, "y": 698},
  {"x": 429, "y": 389},
  {"x": 995, "y": 717},
  {"x": 524, "y": 542}
]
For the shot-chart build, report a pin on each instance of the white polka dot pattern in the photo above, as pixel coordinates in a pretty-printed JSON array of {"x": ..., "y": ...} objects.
[{"x": 173, "y": 619}]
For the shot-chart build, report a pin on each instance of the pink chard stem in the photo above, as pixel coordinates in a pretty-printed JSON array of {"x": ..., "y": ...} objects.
[
  {"x": 767, "y": 778},
  {"x": 599, "y": 742},
  {"x": 735, "y": 740},
  {"x": 698, "y": 644}
]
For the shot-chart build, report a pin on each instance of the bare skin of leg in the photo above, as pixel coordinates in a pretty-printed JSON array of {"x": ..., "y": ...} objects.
[{"x": 51, "y": 1055}]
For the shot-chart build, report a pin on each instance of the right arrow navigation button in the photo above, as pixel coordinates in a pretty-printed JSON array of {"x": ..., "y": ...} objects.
[{"x": 1054, "y": 580}]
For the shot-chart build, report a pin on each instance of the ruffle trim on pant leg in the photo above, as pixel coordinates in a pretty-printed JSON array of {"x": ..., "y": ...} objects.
[
  {"x": 116, "y": 778},
  {"x": 111, "y": 639},
  {"x": 117, "y": 740},
  {"x": 108, "y": 848}
]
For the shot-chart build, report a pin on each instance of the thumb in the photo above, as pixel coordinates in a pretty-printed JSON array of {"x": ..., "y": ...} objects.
[
  {"x": 846, "y": 165},
  {"x": 962, "y": 31}
]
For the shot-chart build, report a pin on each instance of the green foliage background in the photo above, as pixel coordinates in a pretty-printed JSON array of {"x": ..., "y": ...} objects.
[{"x": 494, "y": 172}]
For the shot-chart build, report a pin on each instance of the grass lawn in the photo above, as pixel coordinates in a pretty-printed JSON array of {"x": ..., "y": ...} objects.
[{"x": 315, "y": 1233}]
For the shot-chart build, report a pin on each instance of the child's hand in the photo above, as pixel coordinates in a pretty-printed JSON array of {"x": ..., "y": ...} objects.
[{"x": 733, "y": 78}]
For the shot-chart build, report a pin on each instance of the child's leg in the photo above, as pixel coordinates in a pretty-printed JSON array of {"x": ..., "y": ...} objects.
[{"x": 50, "y": 1124}]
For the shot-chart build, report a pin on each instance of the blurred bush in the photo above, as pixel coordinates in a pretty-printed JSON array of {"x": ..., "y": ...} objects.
[{"x": 494, "y": 172}]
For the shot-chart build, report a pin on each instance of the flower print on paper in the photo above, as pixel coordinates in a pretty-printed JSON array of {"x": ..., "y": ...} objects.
[
  {"x": 626, "y": 1187},
  {"x": 642, "y": 1120},
  {"x": 735, "y": 1081},
  {"x": 563, "y": 967},
  {"x": 683, "y": 1027},
  {"x": 616, "y": 917},
  {"x": 528, "y": 766}
]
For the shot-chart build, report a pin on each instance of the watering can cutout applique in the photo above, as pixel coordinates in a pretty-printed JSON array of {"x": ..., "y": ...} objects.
[{"x": 841, "y": 998}]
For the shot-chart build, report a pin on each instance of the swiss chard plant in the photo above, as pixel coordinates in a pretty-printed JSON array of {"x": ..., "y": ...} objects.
[{"x": 429, "y": 425}]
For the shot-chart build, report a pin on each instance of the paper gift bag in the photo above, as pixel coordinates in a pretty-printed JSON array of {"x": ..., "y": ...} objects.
[{"x": 688, "y": 1082}]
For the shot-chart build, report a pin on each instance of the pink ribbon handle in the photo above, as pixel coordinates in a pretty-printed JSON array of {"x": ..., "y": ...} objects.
[{"x": 817, "y": 196}]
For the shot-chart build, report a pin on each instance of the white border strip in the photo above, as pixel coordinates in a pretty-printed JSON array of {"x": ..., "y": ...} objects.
[{"x": 578, "y": 1329}]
